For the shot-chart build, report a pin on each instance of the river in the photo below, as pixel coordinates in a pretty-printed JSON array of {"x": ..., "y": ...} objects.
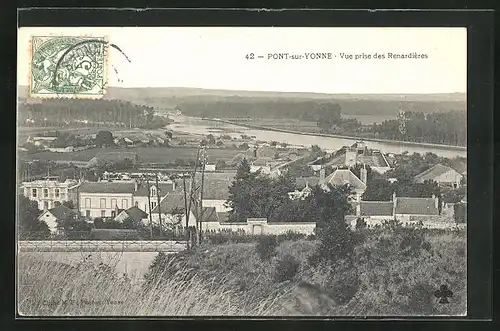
[{"x": 195, "y": 125}]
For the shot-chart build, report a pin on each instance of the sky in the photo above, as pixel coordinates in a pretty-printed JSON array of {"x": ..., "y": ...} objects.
[{"x": 214, "y": 58}]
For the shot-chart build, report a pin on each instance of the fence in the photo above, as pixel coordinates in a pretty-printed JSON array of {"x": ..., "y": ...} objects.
[{"x": 100, "y": 246}]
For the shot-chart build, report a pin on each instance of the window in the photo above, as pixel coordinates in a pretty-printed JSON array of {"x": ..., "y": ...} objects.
[
  {"x": 45, "y": 192},
  {"x": 103, "y": 213},
  {"x": 137, "y": 204},
  {"x": 124, "y": 204},
  {"x": 113, "y": 203},
  {"x": 87, "y": 203},
  {"x": 33, "y": 192},
  {"x": 56, "y": 191},
  {"x": 102, "y": 203},
  {"x": 45, "y": 205},
  {"x": 153, "y": 191},
  {"x": 113, "y": 213},
  {"x": 153, "y": 205},
  {"x": 87, "y": 213}
]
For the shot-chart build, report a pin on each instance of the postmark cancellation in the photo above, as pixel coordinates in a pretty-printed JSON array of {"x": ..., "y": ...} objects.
[{"x": 68, "y": 67}]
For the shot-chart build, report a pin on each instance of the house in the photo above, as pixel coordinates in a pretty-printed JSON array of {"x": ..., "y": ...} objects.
[
  {"x": 136, "y": 214},
  {"x": 216, "y": 189},
  {"x": 102, "y": 199},
  {"x": 53, "y": 215},
  {"x": 342, "y": 177},
  {"x": 459, "y": 166},
  {"x": 404, "y": 209},
  {"x": 210, "y": 167},
  {"x": 358, "y": 153},
  {"x": 47, "y": 193},
  {"x": 173, "y": 211},
  {"x": 442, "y": 175},
  {"x": 300, "y": 194},
  {"x": 302, "y": 182}
]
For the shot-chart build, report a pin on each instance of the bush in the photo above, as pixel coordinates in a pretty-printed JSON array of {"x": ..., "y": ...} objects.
[
  {"x": 286, "y": 268},
  {"x": 360, "y": 223},
  {"x": 420, "y": 299},
  {"x": 266, "y": 247},
  {"x": 344, "y": 286},
  {"x": 336, "y": 242}
]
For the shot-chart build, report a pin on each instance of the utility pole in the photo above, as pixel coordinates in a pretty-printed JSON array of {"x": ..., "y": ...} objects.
[
  {"x": 158, "y": 198},
  {"x": 201, "y": 196},
  {"x": 149, "y": 207},
  {"x": 185, "y": 211},
  {"x": 192, "y": 184}
]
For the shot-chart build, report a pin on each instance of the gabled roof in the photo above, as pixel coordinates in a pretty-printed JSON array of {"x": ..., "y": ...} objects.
[
  {"x": 459, "y": 166},
  {"x": 416, "y": 206},
  {"x": 173, "y": 200},
  {"x": 107, "y": 187},
  {"x": 165, "y": 188},
  {"x": 136, "y": 213},
  {"x": 432, "y": 173},
  {"x": 209, "y": 214},
  {"x": 62, "y": 212},
  {"x": 376, "y": 208},
  {"x": 342, "y": 177}
]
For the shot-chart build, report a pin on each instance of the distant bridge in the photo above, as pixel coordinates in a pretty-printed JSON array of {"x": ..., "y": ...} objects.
[{"x": 100, "y": 246}]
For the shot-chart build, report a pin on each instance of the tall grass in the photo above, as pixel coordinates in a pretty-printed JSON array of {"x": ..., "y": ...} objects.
[{"x": 391, "y": 272}]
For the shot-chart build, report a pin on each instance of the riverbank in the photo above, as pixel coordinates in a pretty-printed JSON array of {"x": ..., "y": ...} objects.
[{"x": 386, "y": 141}]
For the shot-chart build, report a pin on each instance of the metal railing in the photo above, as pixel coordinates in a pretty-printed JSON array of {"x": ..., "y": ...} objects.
[{"x": 100, "y": 246}]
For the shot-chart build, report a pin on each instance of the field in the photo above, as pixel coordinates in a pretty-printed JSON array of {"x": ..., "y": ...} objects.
[
  {"x": 390, "y": 273},
  {"x": 146, "y": 154}
]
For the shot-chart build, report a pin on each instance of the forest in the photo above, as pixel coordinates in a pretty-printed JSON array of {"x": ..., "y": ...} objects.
[{"x": 87, "y": 112}]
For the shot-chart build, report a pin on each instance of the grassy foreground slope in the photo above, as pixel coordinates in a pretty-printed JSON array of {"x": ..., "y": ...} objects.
[{"x": 390, "y": 273}]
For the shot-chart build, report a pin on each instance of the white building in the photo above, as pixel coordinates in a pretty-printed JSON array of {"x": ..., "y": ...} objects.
[
  {"x": 103, "y": 199},
  {"x": 47, "y": 192}
]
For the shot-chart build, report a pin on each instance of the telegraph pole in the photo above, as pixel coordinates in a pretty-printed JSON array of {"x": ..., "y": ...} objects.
[
  {"x": 201, "y": 195},
  {"x": 149, "y": 204},
  {"x": 192, "y": 184},
  {"x": 158, "y": 198},
  {"x": 185, "y": 211}
]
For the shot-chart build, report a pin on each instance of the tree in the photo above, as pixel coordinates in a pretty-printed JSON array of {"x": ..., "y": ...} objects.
[
  {"x": 169, "y": 134},
  {"x": 328, "y": 116},
  {"x": 98, "y": 223},
  {"x": 210, "y": 139},
  {"x": 378, "y": 189},
  {"x": 29, "y": 225},
  {"x": 104, "y": 139},
  {"x": 239, "y": 191}
]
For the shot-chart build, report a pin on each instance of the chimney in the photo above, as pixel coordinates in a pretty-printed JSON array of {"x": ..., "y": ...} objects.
[
  {"x": 322, "y": 176},
  {"x": 358, "y": 208},
  {"x": 364, "y": 174},
  {"x": 135, "y": 186}
]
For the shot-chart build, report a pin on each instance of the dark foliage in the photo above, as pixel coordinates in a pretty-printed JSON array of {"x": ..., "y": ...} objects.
[
  {"x": 266, "y": 247},
  {"x": 286, "y": 268}
]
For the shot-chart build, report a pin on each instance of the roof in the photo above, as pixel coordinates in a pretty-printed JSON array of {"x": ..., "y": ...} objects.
[
  {"x": 236, "y": 160},
  {"x": 173, "y": 200},
  {"x": 376, "y": 208},
  {"x": 61, "y": 212},
  {"x": 223, "y": 216},
  {"x": 165, "y": 187},
  {"x": 301, "y": 182},
  {"x": 216, "y": 185},
  {"x": 432, "y": 173},
  {"x": 345, "y": 176},
  {"x": 416, "y": 206},
  {"x": 459, "y": 166},
  {"x": 107, "y": 187},
  {"x": 209, "y": 214},
  {"x": 136, "y": 213}
]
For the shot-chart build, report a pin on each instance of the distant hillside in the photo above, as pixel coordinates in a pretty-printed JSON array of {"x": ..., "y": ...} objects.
[{"x": 207, "y": 102}]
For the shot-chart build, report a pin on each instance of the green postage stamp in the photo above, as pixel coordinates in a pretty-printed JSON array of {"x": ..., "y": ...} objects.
[{"x": 64, "y": 66}]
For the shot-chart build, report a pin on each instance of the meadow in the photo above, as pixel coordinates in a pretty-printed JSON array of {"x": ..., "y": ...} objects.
[
  {"x": 146, "y": 154},
  {"x": 391, "y": 272}
]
